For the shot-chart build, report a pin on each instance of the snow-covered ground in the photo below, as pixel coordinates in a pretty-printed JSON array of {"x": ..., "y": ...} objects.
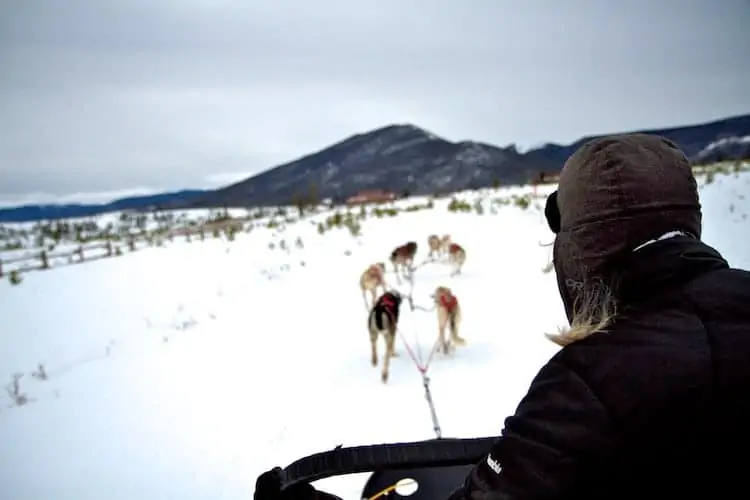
[{"x": 186, "y": 370}]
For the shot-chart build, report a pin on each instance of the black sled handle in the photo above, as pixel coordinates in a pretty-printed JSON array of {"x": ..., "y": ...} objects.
[{"x": 441, "y": 452}]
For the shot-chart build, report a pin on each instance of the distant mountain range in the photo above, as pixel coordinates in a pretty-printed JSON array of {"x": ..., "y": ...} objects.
[
  {"x": 28, "y": 213},
  {"x": 403, "y": 159}
]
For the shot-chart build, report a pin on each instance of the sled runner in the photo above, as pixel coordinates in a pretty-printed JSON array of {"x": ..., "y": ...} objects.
[{"x": 426, "y": 469}]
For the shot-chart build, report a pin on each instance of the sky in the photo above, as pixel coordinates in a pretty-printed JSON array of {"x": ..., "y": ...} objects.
[{"x": 102, "y": 98}]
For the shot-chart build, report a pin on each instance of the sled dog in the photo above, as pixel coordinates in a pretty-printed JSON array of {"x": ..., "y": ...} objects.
[
  {"x": 383, "y": 321},
  {"x": 402, "y": 259},
  {"x": 435, "y": 246},
  {"x": 457, "y": 257},
  {"x": 445, "y": 242},
  {"x": 449, "y": 316},
  {"x": 370, "y": 280}
]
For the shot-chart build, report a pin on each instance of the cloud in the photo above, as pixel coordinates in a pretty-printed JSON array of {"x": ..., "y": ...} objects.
[
  {"x": 33, "y": 198},
  {"x": 103, "y": 96},
  {"x": 42, "y": 198}
]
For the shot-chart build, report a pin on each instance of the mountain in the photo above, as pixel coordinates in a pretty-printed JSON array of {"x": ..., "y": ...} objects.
[
  {"x": 721, "y": 140},
  {"x": 28, "y": 213},
  {"x": 407, "y": 159},
  {"x": 401, "y": 159}
]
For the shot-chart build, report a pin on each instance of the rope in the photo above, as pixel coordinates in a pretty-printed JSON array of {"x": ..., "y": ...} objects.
[
  {"x": 417, "y": 359},
  {"x": 390, "y": 488},
  {"x": 426, "y": 261},
  {"x": 420, "y": 308}
]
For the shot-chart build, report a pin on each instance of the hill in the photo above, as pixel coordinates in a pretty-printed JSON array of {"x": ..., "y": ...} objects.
[
  {"x": 406, "y": 159},
  {"x": 403, "y": 159},
  {"x": 27, "y": 213}
]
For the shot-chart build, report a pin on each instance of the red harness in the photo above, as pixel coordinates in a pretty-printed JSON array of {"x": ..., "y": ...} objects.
[
  {"x": 388, "y": 303},
  {"x": 449, "y": 302},
  {"x": 389, "y": 306},
  {"x": 454, "y": 248}
]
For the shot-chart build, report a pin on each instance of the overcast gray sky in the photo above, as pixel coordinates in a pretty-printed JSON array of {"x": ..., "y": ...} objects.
[{"x": 107, "y": 96}]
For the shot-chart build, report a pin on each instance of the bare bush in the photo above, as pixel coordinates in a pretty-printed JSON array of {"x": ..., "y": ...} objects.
[
  {"x": 40, "y": 373},
  {"x": 14, "y": 390}
]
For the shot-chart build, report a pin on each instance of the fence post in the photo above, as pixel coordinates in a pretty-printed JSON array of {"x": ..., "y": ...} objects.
[
  {"x": 44, "y": 259},
  {"x": 1, "y": 268}
]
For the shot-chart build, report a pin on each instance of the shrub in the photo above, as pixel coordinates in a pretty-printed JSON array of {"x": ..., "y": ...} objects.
[
  {"x": 457, "y": 205},
  {"x": 14, "y": 277},
  {"x": 522, "y": 202}
]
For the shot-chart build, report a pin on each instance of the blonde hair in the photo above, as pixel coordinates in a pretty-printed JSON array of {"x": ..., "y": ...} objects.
[
  {"x": 550, "y": 262},
  {"x": 593, "y": 311}
]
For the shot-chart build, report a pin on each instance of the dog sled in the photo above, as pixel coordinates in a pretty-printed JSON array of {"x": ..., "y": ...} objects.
[{"x": 422, "y": 470}]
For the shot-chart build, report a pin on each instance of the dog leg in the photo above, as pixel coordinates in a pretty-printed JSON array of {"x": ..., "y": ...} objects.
[
  {"x": 373, "y": 346},
  {"x": 407, "y": 272},
  {"x": 455, "y": 321},
  {"x": 443, "y": 345},
  {"x": 364, "y": 299},
  {"x": 389, "y": 341}
]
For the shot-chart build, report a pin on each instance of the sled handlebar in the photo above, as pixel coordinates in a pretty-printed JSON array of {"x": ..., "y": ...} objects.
[{"x": 341, "y": 461}]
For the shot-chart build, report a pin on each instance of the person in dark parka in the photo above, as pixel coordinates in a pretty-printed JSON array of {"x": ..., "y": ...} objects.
[{"x": 649, "y": 396}]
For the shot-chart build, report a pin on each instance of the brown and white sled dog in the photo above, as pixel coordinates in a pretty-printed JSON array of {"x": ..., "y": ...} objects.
[
  {"x": 457, "y": 257},
  {"x": 445, "y": 243},
  {"x": 449, "y": 316},
  {"x": 434, "y": 245},
  {"x": 438, "y": 246},
  {"x": 370, "y": 280},
  {"x": 383, "y": 322},
  {"x": 402, "y": 259}
]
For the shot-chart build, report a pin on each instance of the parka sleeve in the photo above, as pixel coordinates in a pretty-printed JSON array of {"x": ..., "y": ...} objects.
[{"x": 559, "y": 434}]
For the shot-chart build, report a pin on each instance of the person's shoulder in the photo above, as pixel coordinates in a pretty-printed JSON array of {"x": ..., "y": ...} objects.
[
  {"x": 725, "y": 290},
  {"x": 641, "y": 341},
  {"x": 645, "y": 362}
]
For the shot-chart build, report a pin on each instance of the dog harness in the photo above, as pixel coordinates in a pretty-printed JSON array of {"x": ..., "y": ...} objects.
[
  {"x": 449, "y": 302},
  {"x": 389, "y": 305},
  {"x": 388, "y": 302},
  {"x": 454, "y": 248}
]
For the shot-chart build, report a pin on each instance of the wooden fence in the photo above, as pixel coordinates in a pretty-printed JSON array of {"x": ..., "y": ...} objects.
[{"x": 42, "y": 259}]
